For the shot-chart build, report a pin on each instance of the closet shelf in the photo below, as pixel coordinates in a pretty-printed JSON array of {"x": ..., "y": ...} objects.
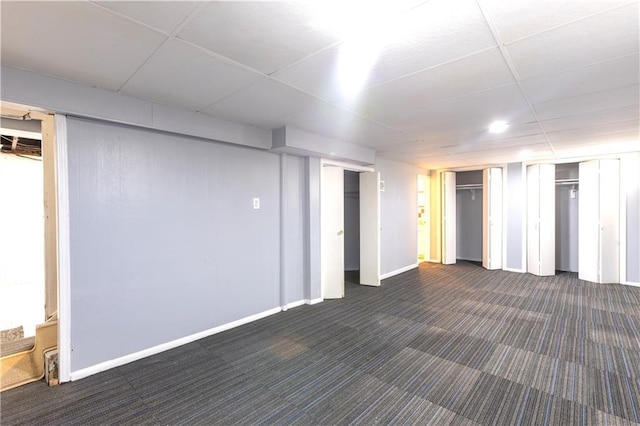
[{"x": 567, "y": 181}]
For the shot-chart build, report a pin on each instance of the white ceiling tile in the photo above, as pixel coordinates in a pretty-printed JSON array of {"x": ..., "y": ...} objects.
[
  {"x": 475, "y": 111},
  {"x": 185, "y": 76},
  {"x": 592, "y": 119},
  {"x": 619, "y": 143},
  {"x": 591, "y": 102},
  {"x": 518, "y": 19},
  {"x": 597, "y": 133},
  {"x": 317, "y": 75},
  {"x": 436, "y": 32},
  {"x": 75, "y": 41},
  {"x": 581, "y": 43},
  {"x": 494, "y": 154},
  {"x": 163, "y": 15},
  {"x": 266, "y": 36},
  {"x": 445, "y": 81},
  {"x": 261, "y": 103},
  {"x": 619, "y": 72}
]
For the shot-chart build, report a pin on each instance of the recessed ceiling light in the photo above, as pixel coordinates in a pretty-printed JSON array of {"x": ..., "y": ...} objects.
[{"x": 498, "y": 126}]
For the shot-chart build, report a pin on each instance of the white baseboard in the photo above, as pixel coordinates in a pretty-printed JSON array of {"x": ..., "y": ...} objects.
[
  {"x": 313, "y": 301},
  {"x": 103, "y": 366},
  {"x": 631, "y": 283},
  {"x": 520, "y": 271},
  {"x": 398, "y": 271},
  {"x": 294, "y": 304}
]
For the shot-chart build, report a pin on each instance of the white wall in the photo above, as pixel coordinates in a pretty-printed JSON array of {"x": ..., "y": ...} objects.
[
  {"x": 398, "y": 215},
  {"x": 21, "y": 243}
]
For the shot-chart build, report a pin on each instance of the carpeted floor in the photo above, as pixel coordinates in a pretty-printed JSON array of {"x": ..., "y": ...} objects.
[{"x": 439, "y": 345}]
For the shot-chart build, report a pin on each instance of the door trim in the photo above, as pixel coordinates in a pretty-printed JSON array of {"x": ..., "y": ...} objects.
[{"x": 64, "y": 252}]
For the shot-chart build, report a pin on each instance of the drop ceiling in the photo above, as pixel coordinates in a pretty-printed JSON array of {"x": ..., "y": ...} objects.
[{"x": 563, "y": 73}]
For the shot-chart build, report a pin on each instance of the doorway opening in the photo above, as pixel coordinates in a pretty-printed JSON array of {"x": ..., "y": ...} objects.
[
  {"x": 22, "y": 246},
  {"x": 567, "y": 185},
  {"x": 469, "y": 216},
  {"x": 352, "y": 226},
  {"x": 28, "y": 247},
  {"x": 424, "y": 217},
  {"x": 336, "y": 219}
]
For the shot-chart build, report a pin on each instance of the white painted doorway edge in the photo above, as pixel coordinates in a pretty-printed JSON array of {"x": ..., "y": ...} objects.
[{"x": 64, "y": 259}]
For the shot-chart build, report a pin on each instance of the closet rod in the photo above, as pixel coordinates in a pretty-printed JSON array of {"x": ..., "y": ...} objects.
[
  {"x": 567, "y": 182},
  {"x": 469, "y": 186}
]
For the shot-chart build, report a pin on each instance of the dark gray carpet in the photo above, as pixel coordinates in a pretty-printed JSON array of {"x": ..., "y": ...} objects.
[{"x": 437, "y": 345}]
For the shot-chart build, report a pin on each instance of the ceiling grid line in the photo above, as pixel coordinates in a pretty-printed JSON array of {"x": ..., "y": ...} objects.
[
  {"x": 561, "y": 72},
  {"x": 507, "y": 58},
  {"x": 170, "y": 36},
  {"x": 433, "y": 67},
  {"x": 581, "y": 67},
  {"x": 573, "y": 21}
]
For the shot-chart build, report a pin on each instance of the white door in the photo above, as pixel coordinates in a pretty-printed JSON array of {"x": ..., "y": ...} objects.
[
  {"x": 370, "y": 228},
  {"x": 589, "y": 221},
  {"x": 610, "y": 221},
  {"x": 541, "y": 219},
  {"x": 332, "y": 231},
  {"x": 492, "y": 218},
  {"x": 599, "y": 221},
  {"x": 448, "y": 218}
]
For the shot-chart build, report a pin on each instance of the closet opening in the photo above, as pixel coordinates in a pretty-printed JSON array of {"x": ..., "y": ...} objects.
[
  {"x": 352, "y": 226},
  {"x": 567, "y": 196},
  {"x": 469, "y": 216}
]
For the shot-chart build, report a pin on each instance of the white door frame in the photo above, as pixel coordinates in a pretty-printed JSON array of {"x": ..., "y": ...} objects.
[{"x": 324, "y": 162}]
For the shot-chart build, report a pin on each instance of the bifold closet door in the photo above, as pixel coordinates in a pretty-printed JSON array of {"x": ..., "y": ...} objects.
[
  {"x": 492, "y": 218},
  {"x": 332, "y": 232},
  {"x": 599, "y": 221},
  {"x": 370, "y": 228},
  {"x": 541, "y": 219},
  {"x": 448, "y": 218}
]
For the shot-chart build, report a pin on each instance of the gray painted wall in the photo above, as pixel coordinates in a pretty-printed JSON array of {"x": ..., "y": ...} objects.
[
  {"x": 468, "y": 224},
  {"x": 295, "y": 229},
  {"x": 398, "y": 215},
  {"x": 566, "y": 219},
  {"x": 164, "y": 240},
  {"x": 351, "y": 221},
  {"x": 312, "y": 288},
  {"x": 566, "y": 229},
  {"x": 515, "y": 207}
]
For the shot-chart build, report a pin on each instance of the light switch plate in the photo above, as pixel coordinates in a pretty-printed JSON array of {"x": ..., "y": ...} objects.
[{"x": 256, "y": 203}]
